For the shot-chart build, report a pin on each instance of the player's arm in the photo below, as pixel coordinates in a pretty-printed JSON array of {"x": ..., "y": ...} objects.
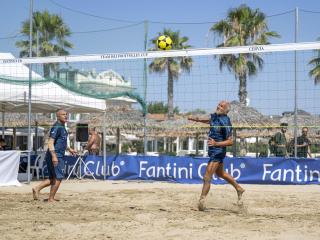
[
  {"x": 309, "y": 148},
  {"x": 90, "y": 142},
  {"x": 71, "y": 150},
  {"x": 52, "y": 151},
  {"x": 301, "y": 145},
  {"x": 309, "y": 151},
  {"x": 196, "y": 119},
  {"x": 225, "y": 143}
]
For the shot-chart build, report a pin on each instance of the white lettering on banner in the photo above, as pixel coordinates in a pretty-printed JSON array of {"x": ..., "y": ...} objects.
[
  {"x": 311, "y": 174},
  {"x": 200, "y": 169},
  {"x": 86, "y": 168},
  {"x": 151, "y": 171},
  {"x": 167, "y": 171},
  {"x": 142, "y": 168},
  {"x": 68, "y": 168},
  {"x": 114, "y": 170},
  {"x": 234, "y": 172},
  {"x": 298, "y": 171},
  {"x": 276, "y": 175},
  {"x": 290, "y": 175},
  {"x": 160, "y": 169},
  {"x": 265, "y": 172},
  {"x": 97, "y": 170},
  {"x": 285, "y": 171}
]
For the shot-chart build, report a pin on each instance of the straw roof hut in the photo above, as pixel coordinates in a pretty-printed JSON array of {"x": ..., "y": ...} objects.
[
  {"x": 250, "y": 122},
  {"x": 247, "y": 120},
  {"x": 14, "y": 120},
  {"x": 180, "y": 126},
  {"x": 128, "y": 120}
]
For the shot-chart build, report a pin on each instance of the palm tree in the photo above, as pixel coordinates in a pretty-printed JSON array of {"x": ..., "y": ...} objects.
[
  {"x": 243, "y": 26},
  {"x": 173, "y": 66},
  {"x": 315, "y": 71},
  {"x": 51, "y": 32}
]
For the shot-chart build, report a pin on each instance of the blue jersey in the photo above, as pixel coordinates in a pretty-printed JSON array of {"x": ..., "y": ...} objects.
[
  {"x": 220, "y": 130},
  {"x": 59, "y": 133}
]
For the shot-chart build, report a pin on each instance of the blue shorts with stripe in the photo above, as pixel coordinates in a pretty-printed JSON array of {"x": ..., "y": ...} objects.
[{"x": 56, "y": 172}]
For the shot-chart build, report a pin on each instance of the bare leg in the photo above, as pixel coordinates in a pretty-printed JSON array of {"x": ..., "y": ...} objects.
[
  {"x": 54, "y": 188},
  {"x": 222, "y": 174},
  {"x": 210, "y": 170},
  {"x": 36, "y": 190}
]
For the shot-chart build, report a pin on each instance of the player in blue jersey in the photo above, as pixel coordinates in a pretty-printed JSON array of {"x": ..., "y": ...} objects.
[
  {"x": 57, "y": 145},
  {"x": 219, "y": 137}
]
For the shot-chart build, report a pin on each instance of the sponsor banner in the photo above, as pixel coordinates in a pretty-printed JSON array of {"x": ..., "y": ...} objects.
[{"x": 191, "y": 170}]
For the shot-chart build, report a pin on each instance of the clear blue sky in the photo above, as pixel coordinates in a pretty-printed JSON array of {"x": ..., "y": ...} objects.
[{"x": 13, "y": 12}]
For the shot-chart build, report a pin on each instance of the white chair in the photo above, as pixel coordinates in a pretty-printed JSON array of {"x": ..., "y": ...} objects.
[{"x": 38, "y": 165}]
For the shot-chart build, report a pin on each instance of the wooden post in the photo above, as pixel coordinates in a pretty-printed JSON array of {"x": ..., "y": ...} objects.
[
  {"x": 118, "y": 141},
  {"x": 14, "y": 138}
]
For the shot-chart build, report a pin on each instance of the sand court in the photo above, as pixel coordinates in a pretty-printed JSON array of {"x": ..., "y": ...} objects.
[{"x": 143, "y": 210}]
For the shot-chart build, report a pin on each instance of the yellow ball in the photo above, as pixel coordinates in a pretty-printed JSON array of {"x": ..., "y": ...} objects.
[{"x": 164, "y": 42}]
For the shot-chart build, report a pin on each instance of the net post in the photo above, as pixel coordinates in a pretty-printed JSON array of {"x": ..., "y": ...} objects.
[{"x": 29, "y": 93}]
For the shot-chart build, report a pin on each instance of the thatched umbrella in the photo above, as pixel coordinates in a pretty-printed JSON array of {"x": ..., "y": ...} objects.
[
  {"x": 20, "y": 120},
  {"x": 248, "y": 122},
  {"x": 178, "y": 127},
  {"x": 124, "y": 118},
  {"x": 14, "y": 120}
]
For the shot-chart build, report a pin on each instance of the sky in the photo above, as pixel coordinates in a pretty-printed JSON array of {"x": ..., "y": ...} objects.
[{"x": 117, "y": 26}]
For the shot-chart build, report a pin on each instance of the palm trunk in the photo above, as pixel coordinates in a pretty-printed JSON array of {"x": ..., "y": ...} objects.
[
  {"x": 243, "y": 89},
  {"x": 170, "y": 92}
]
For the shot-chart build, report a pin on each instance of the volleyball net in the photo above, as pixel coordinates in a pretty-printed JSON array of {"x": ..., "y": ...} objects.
[{"x": 266, "y": 84}]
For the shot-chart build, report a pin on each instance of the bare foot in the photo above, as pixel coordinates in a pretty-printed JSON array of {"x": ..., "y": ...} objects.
[
  {"x": 35, "y": 193},
  {"x": 201, "y": 204},
  {"x": 240, "y": 191}
]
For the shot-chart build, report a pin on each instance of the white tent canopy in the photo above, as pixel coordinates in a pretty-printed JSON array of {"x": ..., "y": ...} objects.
[{"x": 46, "y": 97}]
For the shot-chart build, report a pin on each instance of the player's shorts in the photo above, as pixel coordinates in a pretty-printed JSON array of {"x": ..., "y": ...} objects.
[
  {"x": 216, "y": 157},
  {"x": 56, "y": 172}
]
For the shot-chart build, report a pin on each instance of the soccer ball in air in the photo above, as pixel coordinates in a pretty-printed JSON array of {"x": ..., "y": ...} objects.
[{"x": 164, "y": 42}]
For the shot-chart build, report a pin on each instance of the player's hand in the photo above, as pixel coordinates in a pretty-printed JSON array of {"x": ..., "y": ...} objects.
[
  {"x": 73, "y": 152},
  {"x": 212, "y": 142},
  {"x": 55, "y": 161}
]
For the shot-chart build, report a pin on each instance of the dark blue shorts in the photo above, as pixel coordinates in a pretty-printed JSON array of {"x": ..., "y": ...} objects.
[
  {"x": 56, "y": 172},
  {"x": 216, "y": 157}
]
